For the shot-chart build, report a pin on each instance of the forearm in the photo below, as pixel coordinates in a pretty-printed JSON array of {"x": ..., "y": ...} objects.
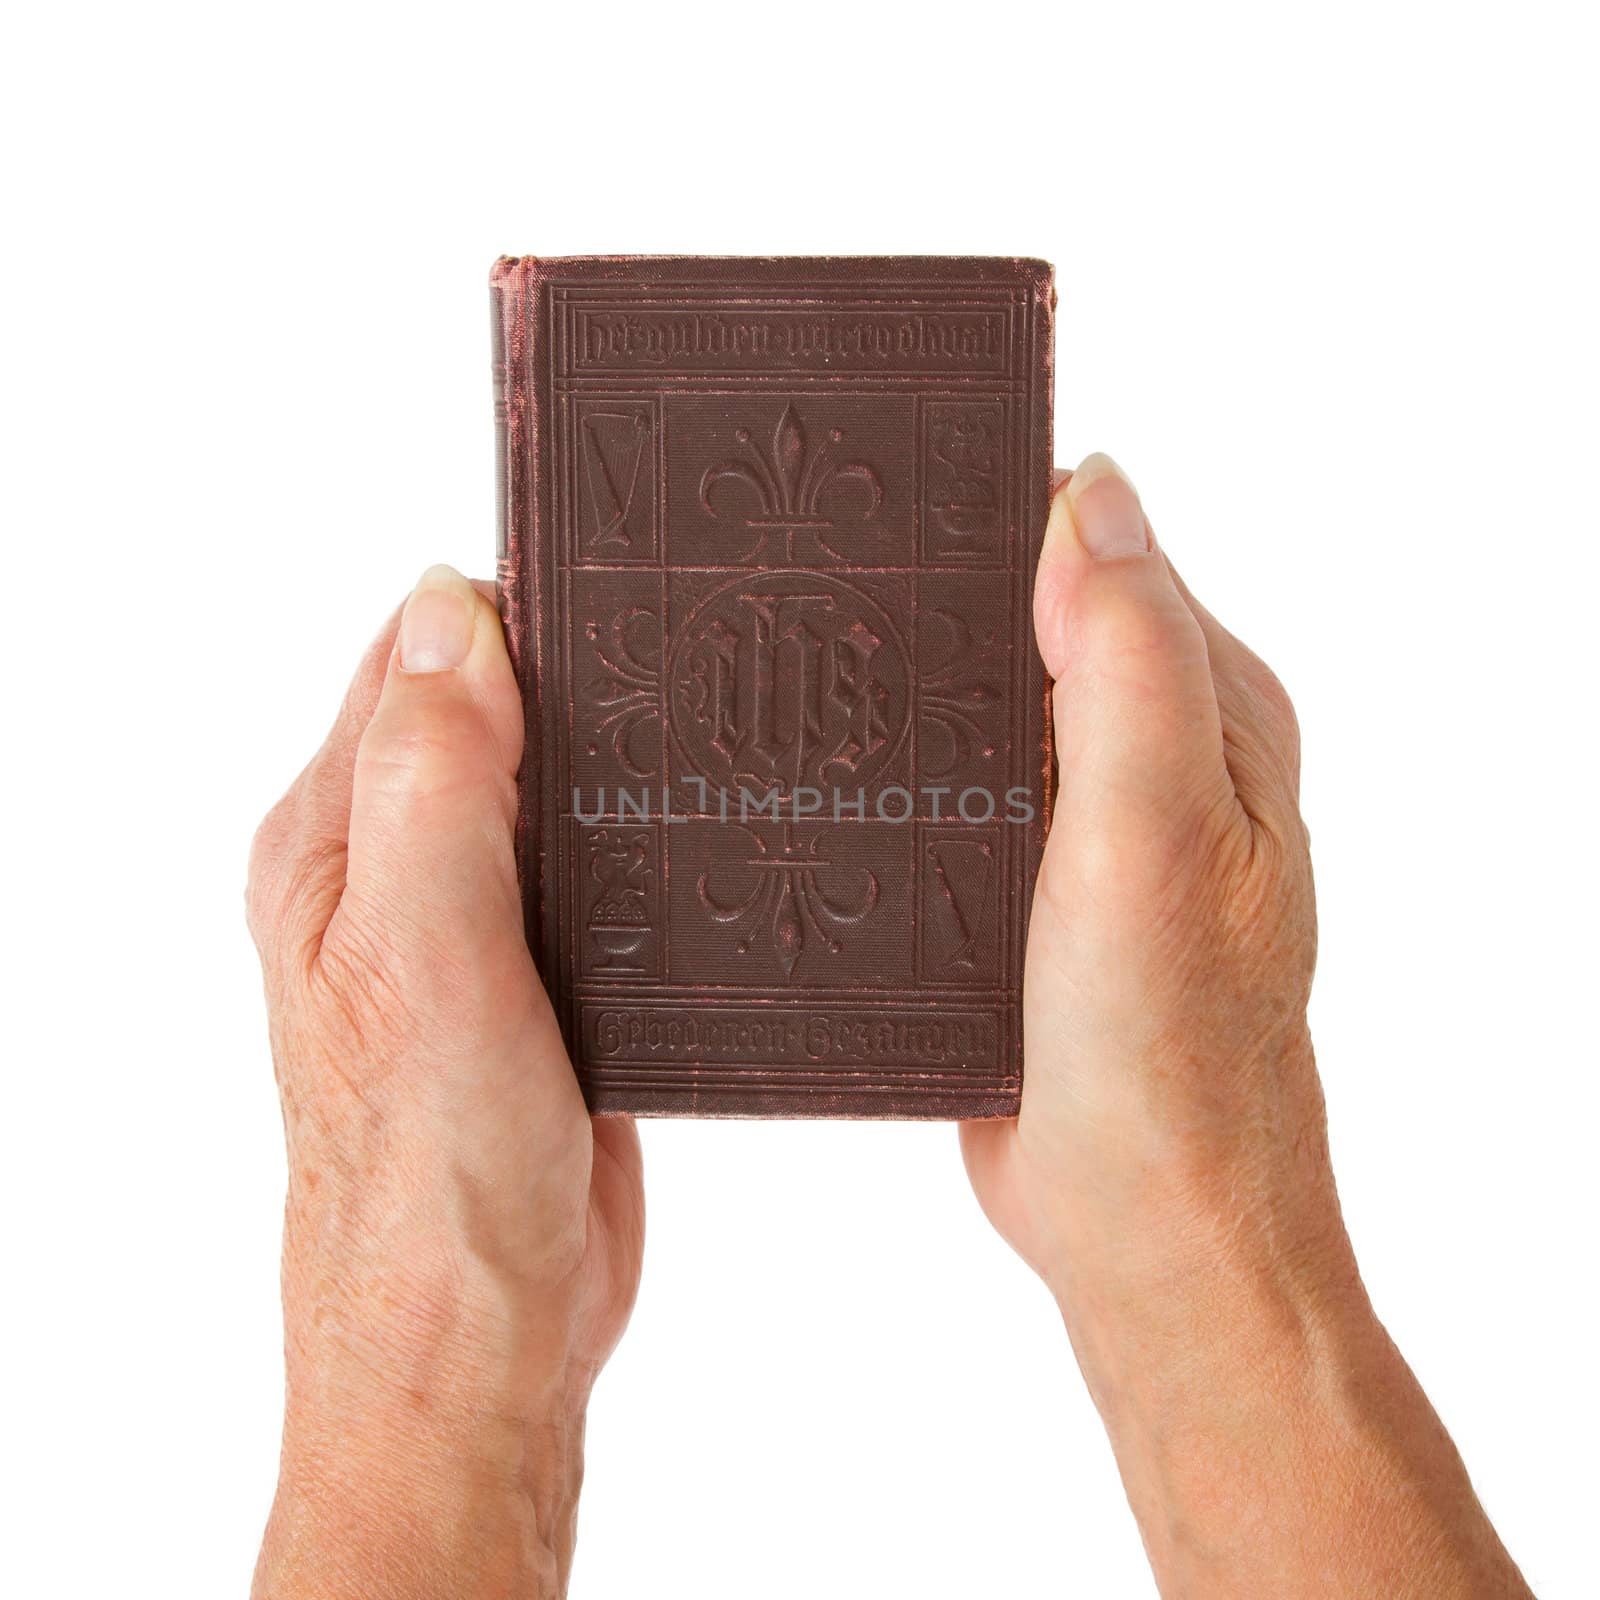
[
  {"x": 436, "y": 1536},
  {"x": 1271, "y": 1439},
  {"x": 422, "y": 1508},
  {"x": 461, "y": 1243},
  {"x": 433, "y": 1439}
]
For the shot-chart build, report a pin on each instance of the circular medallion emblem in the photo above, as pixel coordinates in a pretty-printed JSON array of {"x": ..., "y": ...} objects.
[{"x": 788, "y": 680}]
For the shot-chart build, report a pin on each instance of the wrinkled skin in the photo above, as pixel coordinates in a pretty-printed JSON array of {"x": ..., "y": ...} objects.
[
  {"x": 1169, "y": 1176},
  {"x": 462, "y": 1243},
  {"x": 1173, "y": 936}
]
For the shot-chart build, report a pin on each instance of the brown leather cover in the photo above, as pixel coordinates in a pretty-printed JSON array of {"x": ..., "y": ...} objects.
[{"x": 768, "y": 530}]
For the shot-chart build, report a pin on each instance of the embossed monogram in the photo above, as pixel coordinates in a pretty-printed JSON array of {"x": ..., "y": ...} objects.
[
  {"x": 788, "y": 899},
  {"x": 786, "y": 490},
  {"x": 791, "y": 681}
]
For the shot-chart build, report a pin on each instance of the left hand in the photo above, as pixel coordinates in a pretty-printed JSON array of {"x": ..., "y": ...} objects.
[{"x": 462, "y": 1243}]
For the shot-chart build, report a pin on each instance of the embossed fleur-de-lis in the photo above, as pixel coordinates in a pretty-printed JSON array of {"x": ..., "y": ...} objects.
[
  {"x": 627, "y": 689},
  {"x": 789, "y": 900},
  {"x": 953, "y": 690},
  {"x": 786, "y": 490}
]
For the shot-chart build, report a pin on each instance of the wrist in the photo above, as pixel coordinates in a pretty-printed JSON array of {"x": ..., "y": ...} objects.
[
  {"x": 433, "y": 1438},
  {"x": 1178, "y": 1311},
  {"x": 1269, "y": 1435},
  {"x": 1181, "y": 1299},
  {"x": 436, "y": 1495}
]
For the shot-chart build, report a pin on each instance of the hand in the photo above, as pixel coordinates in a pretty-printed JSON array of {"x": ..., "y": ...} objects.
[
  {"x": 1168, "y": 1175},
  {"x": 462, "y": 1244}
]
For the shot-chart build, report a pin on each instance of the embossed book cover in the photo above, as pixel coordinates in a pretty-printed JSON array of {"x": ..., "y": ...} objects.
[{"x": 768, "y": 534}]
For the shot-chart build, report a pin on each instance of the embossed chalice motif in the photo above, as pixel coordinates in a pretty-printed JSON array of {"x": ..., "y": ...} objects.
[
  {"x": 788, "y": 900},
  {"x": 964, "y": 871},
  {"x": 613, "y": 448},
  {"x": 787, "y": 489}
]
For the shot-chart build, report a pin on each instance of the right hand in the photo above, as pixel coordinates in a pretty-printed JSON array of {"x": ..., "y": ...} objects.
[
  {"x": 1169, "y": 1071},
  {"x": 1169, "y": 1175}
]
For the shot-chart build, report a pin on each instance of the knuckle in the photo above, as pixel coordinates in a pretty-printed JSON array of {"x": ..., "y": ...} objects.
[
  {"x": 267, "y": 869},
  {"x": 291, "y": 873},
  {"x": 1278, "y": 707},
  {"x": 395, "y": 986},
  {"x": 446, "y": 749},
  {"x": 1147, "y": 861},
  {"x": 1262, "y": 733},
  {"x": 1129, "y": 631},
  {"x": 1273, "y": 706}
]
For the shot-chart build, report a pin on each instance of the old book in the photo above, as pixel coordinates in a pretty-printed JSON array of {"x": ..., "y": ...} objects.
[{"x": 767, "y": 542}]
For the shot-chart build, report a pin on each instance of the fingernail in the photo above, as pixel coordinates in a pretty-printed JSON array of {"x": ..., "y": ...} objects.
[
  {"x": 1058, "y": 526},
  {"x": 436, "y": 625},
  {"x": 1106, "y": 511}
]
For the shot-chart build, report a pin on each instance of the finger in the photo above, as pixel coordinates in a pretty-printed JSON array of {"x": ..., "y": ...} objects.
[
  {"x": 431, "y": 908},
  {"x": 297, "y": 859},
  {"x": 1138, "y": 731},
  {"x": 1260, "y": 734},
  {"x": 431, "y": 870}
]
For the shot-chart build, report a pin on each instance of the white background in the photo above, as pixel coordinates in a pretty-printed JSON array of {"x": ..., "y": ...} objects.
[{"x": 1327, "y": 283}]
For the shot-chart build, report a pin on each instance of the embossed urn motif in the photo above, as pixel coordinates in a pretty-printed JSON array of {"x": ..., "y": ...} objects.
[
  {"x": 789, "y": 903},
  {"x": 788, "y": 680},
  {"x": 789, "y": 487},
  {"x": 619, "y": 919}
]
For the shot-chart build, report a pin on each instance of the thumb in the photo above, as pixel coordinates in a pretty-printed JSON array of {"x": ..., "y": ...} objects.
[
  {"x": 431, "y": 875},
  {"x": 1138, "y": 733}
]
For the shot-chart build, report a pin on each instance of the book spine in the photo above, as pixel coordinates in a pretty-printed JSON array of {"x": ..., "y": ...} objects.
[{"x": 516, "y": 564}]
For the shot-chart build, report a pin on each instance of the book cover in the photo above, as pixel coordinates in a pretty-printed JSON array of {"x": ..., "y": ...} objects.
[{"x": 768, "y": 530}]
